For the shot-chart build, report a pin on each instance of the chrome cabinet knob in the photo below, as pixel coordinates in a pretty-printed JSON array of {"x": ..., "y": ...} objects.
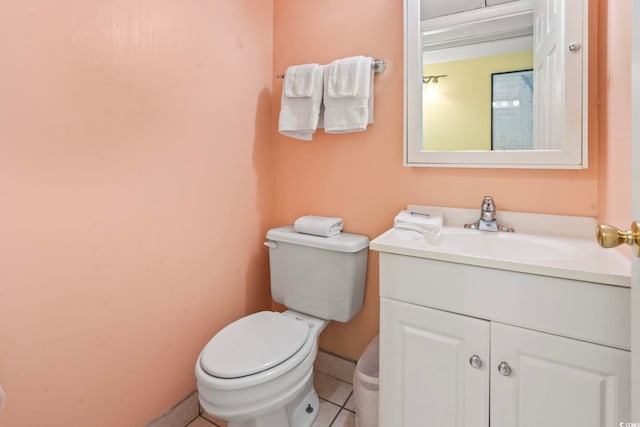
[
  {"x": 575, "y": 47},
  {"x": 504, "y": 369},
  {"x": 475, "y": 361}
]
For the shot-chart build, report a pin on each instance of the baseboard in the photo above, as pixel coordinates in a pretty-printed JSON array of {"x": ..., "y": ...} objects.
[
  {"x": 181, "y": 414},
  {"x": 335, "y": 366}
]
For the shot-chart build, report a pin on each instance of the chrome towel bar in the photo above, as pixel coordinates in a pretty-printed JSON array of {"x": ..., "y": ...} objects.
[{"x": 378, "y": 65}]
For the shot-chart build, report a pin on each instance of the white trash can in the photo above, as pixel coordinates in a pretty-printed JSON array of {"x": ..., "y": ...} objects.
[{"x": 366, "y": 384}]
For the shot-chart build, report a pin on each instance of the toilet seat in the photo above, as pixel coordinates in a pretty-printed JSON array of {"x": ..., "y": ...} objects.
[
  {"x": 254, "y": 344},
  {"x": 261, "y": 393}
]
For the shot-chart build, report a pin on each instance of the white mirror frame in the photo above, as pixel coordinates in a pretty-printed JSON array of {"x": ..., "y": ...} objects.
[{"x": 560, "y": 120}]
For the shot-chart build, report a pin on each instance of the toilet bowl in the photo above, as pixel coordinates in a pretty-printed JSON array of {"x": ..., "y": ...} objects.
[{"x": 258, "y": 371}]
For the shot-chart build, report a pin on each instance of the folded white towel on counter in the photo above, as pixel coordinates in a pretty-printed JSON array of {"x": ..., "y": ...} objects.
[
  {"x": 318, "y": 225},
  {"x": 348, "y": 95},
  {"x": 301, "y": 100},
  {"x": 427, "y": 224}
]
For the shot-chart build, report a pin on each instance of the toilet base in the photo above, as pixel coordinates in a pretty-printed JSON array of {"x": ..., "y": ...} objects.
[{"x": 301, "y": 412}]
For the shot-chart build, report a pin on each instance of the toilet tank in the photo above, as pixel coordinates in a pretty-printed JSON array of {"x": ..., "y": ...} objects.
[{"x": 320, "y": 276}]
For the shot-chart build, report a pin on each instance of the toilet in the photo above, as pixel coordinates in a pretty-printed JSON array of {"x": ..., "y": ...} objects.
[{"x": 258, "y": 370}]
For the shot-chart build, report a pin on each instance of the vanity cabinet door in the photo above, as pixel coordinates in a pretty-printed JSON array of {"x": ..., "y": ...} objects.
[
  {"x": 555, "y": 381},
  {"x": 426, "y": 373}
]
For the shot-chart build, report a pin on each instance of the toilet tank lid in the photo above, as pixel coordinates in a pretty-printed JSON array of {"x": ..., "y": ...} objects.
[{"x": 342, "y": 242}]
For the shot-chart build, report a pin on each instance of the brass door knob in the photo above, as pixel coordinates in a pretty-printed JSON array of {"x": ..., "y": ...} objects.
[{"x": 609, "y": 236}]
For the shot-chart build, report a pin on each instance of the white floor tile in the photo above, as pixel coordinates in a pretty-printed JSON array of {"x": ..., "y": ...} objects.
[
  {"x": 216, "y": 421},
  {"x": 331, "y": 389},
  {"x": 326, "y": 414},
  {"x": 351, "y": 404},
  {"x": 200, "y": 422},
  {"x": 345, "y": 419}
]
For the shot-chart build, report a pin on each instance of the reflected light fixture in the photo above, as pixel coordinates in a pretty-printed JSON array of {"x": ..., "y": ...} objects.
[
  {"x": 432, "y": 91},
  {"x": 432, "y": 79}
]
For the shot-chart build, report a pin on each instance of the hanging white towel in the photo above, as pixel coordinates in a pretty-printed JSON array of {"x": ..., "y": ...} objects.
[
  {"x": 301, "y": 100},
  {"x": 298, "y": 80},
  {"x": 348, "y": 77},
  {"x": 318, "y": 225},
  {"x": 348, "y": 95}
]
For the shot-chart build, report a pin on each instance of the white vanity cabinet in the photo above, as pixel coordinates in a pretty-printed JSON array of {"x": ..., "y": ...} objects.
[
  {"x": 469, "y": 345},
  {"x": 425, "y": 367},
  {"x": 443, "y": 369},
  {"x": 556, "y": 381}
]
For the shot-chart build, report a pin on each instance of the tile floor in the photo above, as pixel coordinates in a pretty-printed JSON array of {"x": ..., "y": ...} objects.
[{"x": 336, "y": 405}]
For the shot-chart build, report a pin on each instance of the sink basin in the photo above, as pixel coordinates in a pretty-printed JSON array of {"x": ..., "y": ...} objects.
[
  {"x": 500, "y": 245},
  {"x": 569, "y": 257}
]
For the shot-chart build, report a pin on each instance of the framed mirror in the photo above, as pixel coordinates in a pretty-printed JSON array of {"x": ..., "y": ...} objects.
[{"x": 496, "y": 83}]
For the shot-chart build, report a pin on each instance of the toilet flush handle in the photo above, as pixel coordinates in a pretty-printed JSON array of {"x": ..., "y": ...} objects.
[{"x": 270, "y": 244}]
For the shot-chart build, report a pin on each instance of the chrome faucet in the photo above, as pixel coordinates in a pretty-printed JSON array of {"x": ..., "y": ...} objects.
[{"x": 488, "y": 220}]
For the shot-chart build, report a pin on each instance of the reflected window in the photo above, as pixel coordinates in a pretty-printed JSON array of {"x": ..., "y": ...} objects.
[{"x": 512, "y": 110}]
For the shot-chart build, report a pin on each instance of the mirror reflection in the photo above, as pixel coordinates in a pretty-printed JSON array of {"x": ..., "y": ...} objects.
[
  {"x": 478, "y": 90},
  {"x": 496, "y": 83}
]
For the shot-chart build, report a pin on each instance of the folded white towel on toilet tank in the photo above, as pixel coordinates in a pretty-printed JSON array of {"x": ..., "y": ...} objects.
[
  {"x": 427, "y": 224},
  {"x": 318, "y": 225}
]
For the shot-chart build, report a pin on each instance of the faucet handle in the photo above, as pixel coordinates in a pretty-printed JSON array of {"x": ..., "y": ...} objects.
[
  {"x": 488, "y": 220},
  {"x": 488, "y": 205},
  {"x": 488, "y": 209}
]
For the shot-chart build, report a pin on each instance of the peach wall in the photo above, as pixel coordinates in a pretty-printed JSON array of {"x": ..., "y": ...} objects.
[
  {"x": 614, "y": 189},
  {"x": 132, "y": 132},
  {"x": 360, "y": 177},
  {"x": 134, "y": 141}
]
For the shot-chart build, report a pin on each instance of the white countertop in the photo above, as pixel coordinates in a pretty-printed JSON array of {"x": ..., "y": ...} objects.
[{"x": 574, "y": 257}]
